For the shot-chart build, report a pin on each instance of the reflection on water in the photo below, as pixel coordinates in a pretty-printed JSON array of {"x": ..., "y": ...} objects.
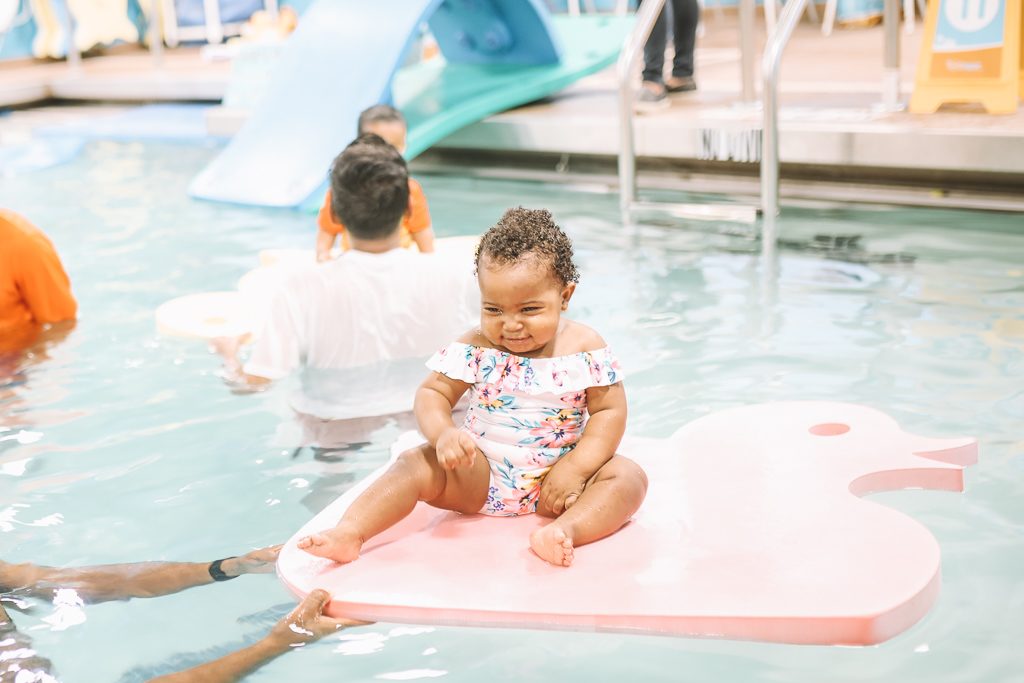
[
  {"x": 131, "y": 448},
  {"x": 19, "y": 662}
]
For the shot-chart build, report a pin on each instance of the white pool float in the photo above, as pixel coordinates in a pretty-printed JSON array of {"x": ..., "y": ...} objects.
[
  {"x": 464, "y": 245},
  {"x": 273, "y": 257},
  {"x": 207, "y": 316}
]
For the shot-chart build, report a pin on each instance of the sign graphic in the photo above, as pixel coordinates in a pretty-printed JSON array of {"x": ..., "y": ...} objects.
[{"x": 970, "y": 53}]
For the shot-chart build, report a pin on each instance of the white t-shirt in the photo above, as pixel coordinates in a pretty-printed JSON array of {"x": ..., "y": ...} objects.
[{"x": 362, "y": 326}]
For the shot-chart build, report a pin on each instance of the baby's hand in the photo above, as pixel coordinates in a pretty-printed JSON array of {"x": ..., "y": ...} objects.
[
  {"x": 455, "y": 448},
  {"x": 561, "y": 487}
]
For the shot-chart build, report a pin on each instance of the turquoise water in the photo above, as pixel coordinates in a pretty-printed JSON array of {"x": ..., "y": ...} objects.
[{"x": 121, "y": 445}]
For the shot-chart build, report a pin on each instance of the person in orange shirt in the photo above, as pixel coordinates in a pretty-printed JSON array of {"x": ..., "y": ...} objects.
[
  {"x": 34, "y": 289},
  {"x": 387, "y": 122}
]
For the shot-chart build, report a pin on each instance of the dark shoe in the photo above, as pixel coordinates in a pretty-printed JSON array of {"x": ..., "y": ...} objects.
[
  {"x": 651, "y": 96},
  {"x": 683, "y": 84}
]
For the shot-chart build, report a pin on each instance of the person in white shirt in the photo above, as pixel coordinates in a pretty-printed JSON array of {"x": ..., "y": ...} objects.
[{"x": 360, "y": 327}]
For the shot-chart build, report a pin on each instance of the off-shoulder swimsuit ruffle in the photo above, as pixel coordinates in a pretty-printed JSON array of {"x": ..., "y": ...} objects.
[{"x": 524, "y": 413}]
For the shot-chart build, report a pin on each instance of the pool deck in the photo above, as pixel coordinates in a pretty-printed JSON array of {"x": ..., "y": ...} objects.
[
  {"x": 123, "y": 74},
  {"x": 832, "y": 127}
]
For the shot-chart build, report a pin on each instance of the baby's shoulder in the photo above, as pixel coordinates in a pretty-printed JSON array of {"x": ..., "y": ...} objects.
[
  {"x": 577, "y": 338},
  {"x": 473, "y": 337}
]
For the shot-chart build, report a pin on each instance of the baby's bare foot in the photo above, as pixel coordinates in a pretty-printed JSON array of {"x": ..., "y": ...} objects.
[
  {"x": 552, "y": 544},
  {"x": 340, "y": 544}
]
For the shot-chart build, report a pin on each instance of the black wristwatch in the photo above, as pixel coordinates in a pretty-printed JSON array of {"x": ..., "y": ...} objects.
[{"x": 217, "y": 573}]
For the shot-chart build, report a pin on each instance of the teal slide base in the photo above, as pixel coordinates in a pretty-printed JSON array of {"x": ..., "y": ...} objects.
[
  {"x": 438, "y": 99},
  {"x": 282, "y": 155}
]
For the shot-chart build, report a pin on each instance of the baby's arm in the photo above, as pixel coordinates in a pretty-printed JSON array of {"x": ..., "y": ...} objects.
[
  {"x": 433, "y": 407},
  {"x": 324, "y": 244},
  {"x": 604, "y": 430},
  {"x": 424, "y": 240}
]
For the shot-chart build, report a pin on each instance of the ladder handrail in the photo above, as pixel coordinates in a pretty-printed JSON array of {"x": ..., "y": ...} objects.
[
  {"x": 770, "y": 66},
  {"x": 771, "y": 63},
  {"x": 626, "y": 67},
  {"x": 891, "y": 58},
  {"x": 633, "y": 47}
]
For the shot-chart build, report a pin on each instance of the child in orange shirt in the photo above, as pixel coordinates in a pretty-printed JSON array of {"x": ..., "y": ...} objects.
[
  {"x": 34, "y": 289},
  {"x": 387, "y": 122}
]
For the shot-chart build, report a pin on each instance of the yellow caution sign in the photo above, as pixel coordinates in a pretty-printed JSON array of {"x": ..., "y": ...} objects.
[{"x": 971, "y": 52}]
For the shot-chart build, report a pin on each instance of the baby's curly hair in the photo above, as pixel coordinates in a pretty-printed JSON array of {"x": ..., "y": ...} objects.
[{"x": 529, "y": 231}]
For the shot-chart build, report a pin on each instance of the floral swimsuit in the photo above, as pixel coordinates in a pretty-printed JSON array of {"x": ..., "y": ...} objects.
[{"x": 524, "y": 413}]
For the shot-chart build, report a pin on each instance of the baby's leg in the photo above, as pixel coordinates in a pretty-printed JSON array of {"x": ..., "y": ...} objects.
[
  {"x": 414, "y": 476},
  {"x": 608, "y": 500}
]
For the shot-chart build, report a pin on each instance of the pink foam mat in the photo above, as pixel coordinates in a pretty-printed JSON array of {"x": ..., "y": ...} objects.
[{"x": 754, "y": 527}]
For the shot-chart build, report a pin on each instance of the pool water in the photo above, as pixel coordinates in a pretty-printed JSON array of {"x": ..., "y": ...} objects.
[{"x": 119, "y": 445}]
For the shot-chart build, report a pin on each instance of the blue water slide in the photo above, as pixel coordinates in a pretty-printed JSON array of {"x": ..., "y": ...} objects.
[{"x": 342, "y": 59}]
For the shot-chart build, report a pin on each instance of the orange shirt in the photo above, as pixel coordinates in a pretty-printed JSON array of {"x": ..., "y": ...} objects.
[
  {"x": 34, "y": 288},
  {"x": 416, "y": 220}
]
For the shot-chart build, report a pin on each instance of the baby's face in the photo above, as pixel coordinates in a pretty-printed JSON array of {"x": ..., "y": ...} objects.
[
  {"x": 393, "y": 133},
  {"x": 521, "y": 305}
]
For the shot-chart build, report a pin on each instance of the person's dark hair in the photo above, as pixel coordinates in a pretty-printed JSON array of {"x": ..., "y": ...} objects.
[
  {"x": 379, "y": 113},
  {"x": 369, "y": 187},
  {"x": 529, "y": 231}
]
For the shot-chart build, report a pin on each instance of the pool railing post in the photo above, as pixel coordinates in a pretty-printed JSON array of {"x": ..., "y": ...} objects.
[
  {"x": 747, "y": 21},
  {"x": 891, "y": 62},
  {"x": 771, "y": 64},
  {"x": 627, "y": 65}
]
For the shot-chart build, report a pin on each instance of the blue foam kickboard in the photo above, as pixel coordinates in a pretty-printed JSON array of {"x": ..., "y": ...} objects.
[{"x": 343, "y": 58}]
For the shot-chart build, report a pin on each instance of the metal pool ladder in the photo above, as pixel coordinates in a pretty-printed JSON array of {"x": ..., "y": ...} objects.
[
  {"x": 627, "y": 66},
  {"x": 770, "y": 66}
]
